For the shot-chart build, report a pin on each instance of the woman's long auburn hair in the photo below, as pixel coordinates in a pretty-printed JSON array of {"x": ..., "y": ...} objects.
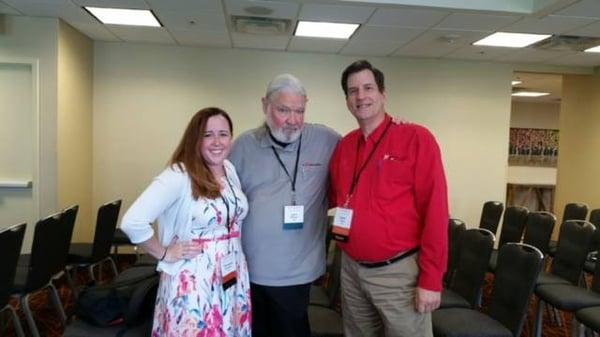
[{"x": 187, "y": 156}]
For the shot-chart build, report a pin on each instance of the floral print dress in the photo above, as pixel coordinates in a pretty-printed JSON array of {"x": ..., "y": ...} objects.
[{"x": 194, "y": 302}]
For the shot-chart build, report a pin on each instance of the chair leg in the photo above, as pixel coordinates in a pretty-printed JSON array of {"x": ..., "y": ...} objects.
[
  {"x": 71, "y": 283},
  {"x": 16, "y": 322},
  {"x": 91, "y": 271},
  {"x": 29, "y": 315},
  {"x": 539, "y": 313},
  {"x": 113, "y": 265},
  {"x": 57, "y": 304}
]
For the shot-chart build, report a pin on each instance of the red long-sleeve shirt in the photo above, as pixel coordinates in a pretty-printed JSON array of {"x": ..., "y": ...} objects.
[{"x": 400, "y": 200}]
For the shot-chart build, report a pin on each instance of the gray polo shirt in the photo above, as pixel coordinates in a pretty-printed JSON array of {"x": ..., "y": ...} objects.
[{"x": 278, "y": 256}]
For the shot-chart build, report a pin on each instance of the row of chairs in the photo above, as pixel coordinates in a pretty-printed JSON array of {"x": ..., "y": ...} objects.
[
  {"x": 471, "y": 256},
  {"x": 52, "y": 256}
]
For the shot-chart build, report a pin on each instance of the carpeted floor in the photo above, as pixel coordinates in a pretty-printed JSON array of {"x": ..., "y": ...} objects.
[{"x": 49, "y": 325}]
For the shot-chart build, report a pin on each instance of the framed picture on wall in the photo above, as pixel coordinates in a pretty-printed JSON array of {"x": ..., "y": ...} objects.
[{"x": 533, "y": 147}]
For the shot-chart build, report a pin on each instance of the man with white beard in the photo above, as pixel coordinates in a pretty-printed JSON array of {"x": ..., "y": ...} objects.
[{"x": 283, "y": 169}]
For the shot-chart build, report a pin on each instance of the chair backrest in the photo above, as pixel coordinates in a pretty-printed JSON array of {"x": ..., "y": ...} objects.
[
  {"x": 456, "y": 228},
  {"x": 490, "y": 215},
  {"x": 513, "y": 225},
  {"x": 46, "y": 238},
  {"x": 574, "y": 242},
  {"x": 476, "y": 248},
  {"x": 575, "y": 211},
  {"x": 595, "y": 220},
  {"x": 106, "y": 222},
  {"x": 538, "y": 230},
  {"x": 62, "y": 248},
  {"x": 516, "y": 273},
  {"x": 596, "y": 281},
  {"x": 11, "y": 239}
]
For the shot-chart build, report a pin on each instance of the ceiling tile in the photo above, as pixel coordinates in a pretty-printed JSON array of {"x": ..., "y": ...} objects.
[
  {"x": 369, "y": 47},
  {"x": 532, "y": 55},
  {"x": 260, "y": 41},
  {"x": 406, "y": 17},
  {"x": 282, "y": 10},
  {"x": 306, "y": 44},
  {"x": 191, "y": 20},
  {"x": 397, "y": 34},
  {"x": 551, "y": 24},
  {"x": 585, "y": 8},
  {"x": 592, "y": 30},
  {"x": 56, "y": 8},
  {"x": 477, "y": 22},
  {"x": 577, "y": 59},
  {"x": 439, "y": 42},
  {"x": 141, "y": 34},
  {"x": 331, "y": 13},
  {"x": 131, "y": 4},
  {"x": 6, "y": 9},
  {"x": 95, "y": 31},
  {"x": 202, "y": 38},
  {"x": 471, "y": 52},
  {"x": 187, "y": 5}
]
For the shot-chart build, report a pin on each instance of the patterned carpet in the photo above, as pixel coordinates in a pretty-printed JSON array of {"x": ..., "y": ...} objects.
[{"x": 49, "y": 325}]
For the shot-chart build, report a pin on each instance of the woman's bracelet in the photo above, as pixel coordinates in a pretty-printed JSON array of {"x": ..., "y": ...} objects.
[{"x": 164, "y": 254}]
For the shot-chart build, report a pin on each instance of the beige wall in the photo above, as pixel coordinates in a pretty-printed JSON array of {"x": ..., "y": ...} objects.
[
  {"x": 74, "y": 143},
  {"x": 579, "y": 163},
  {"x": 36, "y": 39},
  {"x": 535, "y": 115},
  {"x": 145, "y": 94}
]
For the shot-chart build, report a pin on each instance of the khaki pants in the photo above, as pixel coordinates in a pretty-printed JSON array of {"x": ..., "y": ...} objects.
[{"x": 381, "y": 301}]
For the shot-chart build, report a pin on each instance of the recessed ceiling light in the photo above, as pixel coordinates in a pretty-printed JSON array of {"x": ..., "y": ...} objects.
[
  {"x": 593, "y": 50},
  {"x": 512, "y": 40},
  {"x": 121, "y": 16},
  {"x": 325, "y": 29},
  {"x": 516, "y": 82},
  {"x": 530, "y": 94}
]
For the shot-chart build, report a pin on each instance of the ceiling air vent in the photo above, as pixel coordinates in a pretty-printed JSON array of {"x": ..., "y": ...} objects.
[
  {"x": 567, "y": 43},
  {"x": 260, "y": 25}
]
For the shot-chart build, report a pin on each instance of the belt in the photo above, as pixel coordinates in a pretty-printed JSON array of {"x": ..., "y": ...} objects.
[{"x": 389, "y": 261}]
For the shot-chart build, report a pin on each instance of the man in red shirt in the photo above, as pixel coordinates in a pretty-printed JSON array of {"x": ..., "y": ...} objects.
[{"x": 389, "y": 187}]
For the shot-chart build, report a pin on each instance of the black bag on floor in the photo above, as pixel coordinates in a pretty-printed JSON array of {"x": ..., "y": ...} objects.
[{"x": 128, "y": 299}]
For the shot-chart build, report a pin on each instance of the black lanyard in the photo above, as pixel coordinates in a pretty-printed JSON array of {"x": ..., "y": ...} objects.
[
  {"x": 356, "y": 175},
  {"x": 292, "y": 180},
  {"x": 227, "y": 204}
]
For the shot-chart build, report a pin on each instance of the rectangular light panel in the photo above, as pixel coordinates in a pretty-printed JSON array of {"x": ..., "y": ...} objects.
[
  {"x": 511, "y": 40},
  {"x": 121, "y": 16},
  {"x": 325, "y": 29}
]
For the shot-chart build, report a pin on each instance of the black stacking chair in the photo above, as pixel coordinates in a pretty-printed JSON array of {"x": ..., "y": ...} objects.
[
  {"x": 538, "y": 230},
  {"x": 94, "y": 254},
  {"x": 574, "y": 241},
  {"x": 456, "y": 228},
  {"x": 465, "y": 289},
  {"x": 490, "y": 216},
  {"x": 518, "y": 268},
  {"x": 590, "y": 263},
  {"x": 589, "y": 317},
  {"x": 37, "y": 274},
  {"x": 11, "y": 239},
  {"x": 572, "y": 211},
  {"x": 324, "y": 320},
  {"x": 567, "y": 298},
  {"x": 513, "y": 224}
]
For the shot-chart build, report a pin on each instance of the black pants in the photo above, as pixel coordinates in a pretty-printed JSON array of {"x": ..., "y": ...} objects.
[{"x": 280, "y": 311}]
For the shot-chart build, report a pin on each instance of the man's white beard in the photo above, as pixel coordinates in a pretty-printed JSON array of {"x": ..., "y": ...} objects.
[{"x": 282, "y": 136}]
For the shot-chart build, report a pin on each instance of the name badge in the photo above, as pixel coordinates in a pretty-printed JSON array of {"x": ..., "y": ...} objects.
[
  {"x": 228, "y": 270},
  {"x": 293, "y": 217},
  {"x": 342, "y": 220}
]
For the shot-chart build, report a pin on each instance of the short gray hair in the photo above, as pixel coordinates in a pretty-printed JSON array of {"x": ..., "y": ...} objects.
[{"x": 284, "y": 82}]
